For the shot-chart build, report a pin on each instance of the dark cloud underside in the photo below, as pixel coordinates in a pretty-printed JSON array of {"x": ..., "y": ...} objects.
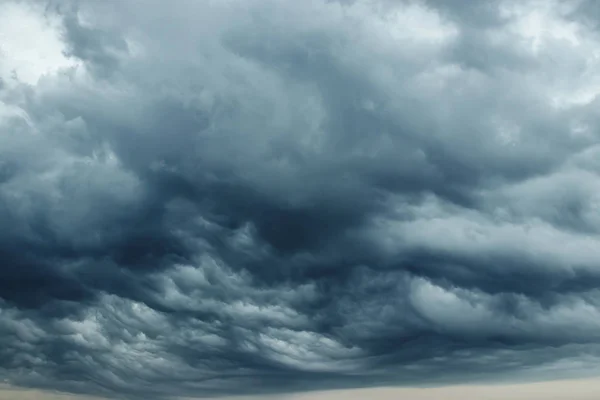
[{"x": 244, "y": 197}]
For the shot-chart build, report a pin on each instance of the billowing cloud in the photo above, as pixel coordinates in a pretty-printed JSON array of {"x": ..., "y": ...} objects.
[{"x": 233, "y": 197}]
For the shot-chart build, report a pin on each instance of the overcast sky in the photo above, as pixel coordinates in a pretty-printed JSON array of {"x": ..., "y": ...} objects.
[{"x": 281, "y": 197}]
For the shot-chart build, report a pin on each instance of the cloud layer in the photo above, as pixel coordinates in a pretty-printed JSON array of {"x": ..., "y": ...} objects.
[{"x": 231, "y": 197}]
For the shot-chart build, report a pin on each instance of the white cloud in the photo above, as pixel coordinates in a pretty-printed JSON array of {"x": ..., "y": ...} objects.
[{"x": 30, "y": 43}]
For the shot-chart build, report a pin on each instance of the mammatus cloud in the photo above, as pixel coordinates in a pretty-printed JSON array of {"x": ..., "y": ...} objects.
[{"x": 250, "y": 197}]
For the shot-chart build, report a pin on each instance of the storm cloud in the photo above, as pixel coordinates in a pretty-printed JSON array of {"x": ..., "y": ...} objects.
[{"x": 208, "y": 198}]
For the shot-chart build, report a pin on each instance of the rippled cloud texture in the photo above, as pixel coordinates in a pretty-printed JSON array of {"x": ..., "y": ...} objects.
[{"x": 202, "y": 198}]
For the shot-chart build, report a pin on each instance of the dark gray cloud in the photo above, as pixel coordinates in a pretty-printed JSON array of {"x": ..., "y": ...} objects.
[{"x": 265, "y": 197}]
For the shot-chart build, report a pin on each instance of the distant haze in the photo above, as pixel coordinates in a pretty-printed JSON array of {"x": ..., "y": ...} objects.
[{"x": 558, "y": 390}]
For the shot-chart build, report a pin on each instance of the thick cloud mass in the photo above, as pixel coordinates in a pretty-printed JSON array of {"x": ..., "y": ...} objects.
[{"x": 260, "y": 196}]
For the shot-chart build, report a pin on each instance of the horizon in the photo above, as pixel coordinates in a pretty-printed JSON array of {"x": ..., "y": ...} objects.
[{"x": 577, "y": 389}]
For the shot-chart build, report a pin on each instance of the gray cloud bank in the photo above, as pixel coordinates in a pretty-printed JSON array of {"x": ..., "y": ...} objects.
[{"x": 207, "y": 198}]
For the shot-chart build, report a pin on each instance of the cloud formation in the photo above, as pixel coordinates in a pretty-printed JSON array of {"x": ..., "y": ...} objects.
[{"x": 247, "y": 197}]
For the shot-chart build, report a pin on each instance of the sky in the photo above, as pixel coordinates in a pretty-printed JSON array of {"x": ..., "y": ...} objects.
[{"x": 302, "y": 200}]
